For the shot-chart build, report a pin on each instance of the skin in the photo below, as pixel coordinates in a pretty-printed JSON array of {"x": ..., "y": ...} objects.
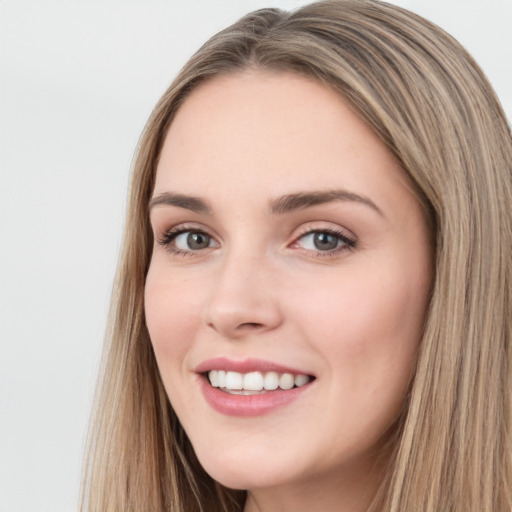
[{"x": 351, "y": 316}]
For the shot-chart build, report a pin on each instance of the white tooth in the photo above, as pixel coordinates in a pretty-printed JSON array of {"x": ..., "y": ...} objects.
[
  {"x": 243, "y": 392},
  {"x": 234, "y": 380},
  {"x": 213, "y": 375},
  {"x": 253, "y": 381},
  {"x": 286, "y": 381},
  {"x": 221, "y": 376},
  {"x": 271, "y": 381},
  {"x": 300, "y": 380}
]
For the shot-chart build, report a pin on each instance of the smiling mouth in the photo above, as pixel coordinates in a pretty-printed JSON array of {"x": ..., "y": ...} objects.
[{"x": 255, "y": 383}]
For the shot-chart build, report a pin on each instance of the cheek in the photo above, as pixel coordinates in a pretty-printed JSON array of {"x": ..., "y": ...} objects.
[
  {"x": 362, "y": 309},
  {"x": 171, "y": 323},
  {"x": 368, "y": 326}
]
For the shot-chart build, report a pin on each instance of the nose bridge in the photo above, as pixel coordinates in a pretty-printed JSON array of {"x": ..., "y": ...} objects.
[{"x": 242, "y": 297}]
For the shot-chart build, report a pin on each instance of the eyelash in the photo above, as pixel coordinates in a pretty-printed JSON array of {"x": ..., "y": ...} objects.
[
  {"x": 347, "y": 244},
  {"x": 170, "y": 236}
]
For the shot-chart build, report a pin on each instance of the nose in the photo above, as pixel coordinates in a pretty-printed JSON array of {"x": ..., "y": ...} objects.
[{"x": 243, "y": 298}]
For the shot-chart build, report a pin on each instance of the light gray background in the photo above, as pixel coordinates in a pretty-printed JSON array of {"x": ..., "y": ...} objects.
[{"x": 77, "y": 82}]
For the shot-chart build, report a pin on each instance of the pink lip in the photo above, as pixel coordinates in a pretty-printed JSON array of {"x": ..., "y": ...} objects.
[
  {"x": 245, "y": 366},
  {"x": 247, "y": 405}
]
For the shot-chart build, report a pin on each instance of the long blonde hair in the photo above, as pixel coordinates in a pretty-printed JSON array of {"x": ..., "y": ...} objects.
[{"x": 428, "y": 101}]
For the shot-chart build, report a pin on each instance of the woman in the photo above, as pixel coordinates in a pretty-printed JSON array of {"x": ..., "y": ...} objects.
[{"x": 312, "y": 308}]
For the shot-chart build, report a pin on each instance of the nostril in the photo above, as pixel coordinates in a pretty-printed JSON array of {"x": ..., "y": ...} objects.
[
  {"x": 250, "y": 325},
  {"x": 244, "y": 325}
]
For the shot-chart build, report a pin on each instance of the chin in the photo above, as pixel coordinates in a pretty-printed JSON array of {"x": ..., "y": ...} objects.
[
  {"x": 235, "y": 478},
  {"x": 241, "y": 474}
]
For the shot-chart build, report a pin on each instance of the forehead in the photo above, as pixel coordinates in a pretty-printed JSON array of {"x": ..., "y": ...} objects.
[{"x": 266, "y": 130}]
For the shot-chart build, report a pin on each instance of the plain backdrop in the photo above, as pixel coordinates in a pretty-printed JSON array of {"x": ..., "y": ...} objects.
[{"x": 77, "y": 83}]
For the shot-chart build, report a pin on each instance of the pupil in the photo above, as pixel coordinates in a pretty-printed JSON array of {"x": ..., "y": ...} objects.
[
  {"x": 324, "y": 241},
  {"x": 198, "y": 240}
]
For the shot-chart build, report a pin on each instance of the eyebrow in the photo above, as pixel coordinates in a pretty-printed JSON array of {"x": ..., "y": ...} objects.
[
  {"x": 194, "y": 204},
  {"x": 281, "y": 205},
  {"x": 303, "y": 200}
]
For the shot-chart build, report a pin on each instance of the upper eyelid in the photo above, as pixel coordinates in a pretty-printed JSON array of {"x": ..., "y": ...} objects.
[
  {"x": 332, "y": 231},
  {"x": 318, "y": 226},
  {"x": 183, "y": 227}
]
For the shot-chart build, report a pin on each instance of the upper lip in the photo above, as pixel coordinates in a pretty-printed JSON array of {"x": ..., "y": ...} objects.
[{"x": 245, "y": 366}]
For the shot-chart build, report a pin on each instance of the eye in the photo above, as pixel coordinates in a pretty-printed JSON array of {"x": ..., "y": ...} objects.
[
  {"x": 326, "y": 241},
  {"x": 192, "y": 241},
  {"x": 183, "y": 240}
]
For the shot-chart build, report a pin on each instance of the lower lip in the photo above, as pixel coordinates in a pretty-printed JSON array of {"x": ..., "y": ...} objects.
[{"x": 248, "y": 405}]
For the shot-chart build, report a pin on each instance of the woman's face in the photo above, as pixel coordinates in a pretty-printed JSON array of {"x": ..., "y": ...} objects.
[{"x": 289, "y": 251}]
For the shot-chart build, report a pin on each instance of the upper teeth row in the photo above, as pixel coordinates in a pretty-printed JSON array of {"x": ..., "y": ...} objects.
[{"x": 255, "y": 381}]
